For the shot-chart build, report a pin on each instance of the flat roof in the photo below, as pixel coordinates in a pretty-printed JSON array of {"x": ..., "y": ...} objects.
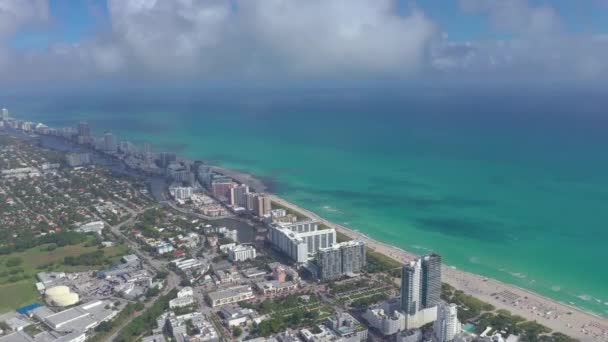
[
  {"x": 233, "y": 291},
  {"x": 65, "y": 316}
]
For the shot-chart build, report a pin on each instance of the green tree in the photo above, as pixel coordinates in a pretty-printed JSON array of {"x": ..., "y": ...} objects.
[{"x": 237, "y": 331}]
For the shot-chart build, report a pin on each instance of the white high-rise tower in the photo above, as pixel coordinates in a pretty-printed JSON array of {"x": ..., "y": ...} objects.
[{"x": 447, "y": 325}]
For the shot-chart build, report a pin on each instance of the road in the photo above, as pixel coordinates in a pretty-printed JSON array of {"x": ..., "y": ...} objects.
[{"x": 172, "y": 280}]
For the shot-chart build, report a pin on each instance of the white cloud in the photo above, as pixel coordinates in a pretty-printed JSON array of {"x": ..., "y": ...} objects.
[
  {"x": 540, "y": 47},
  {"x": 15, "y": 14},
  {"x": 252, "y": 37},
  {"x": 289, "y": 39}
]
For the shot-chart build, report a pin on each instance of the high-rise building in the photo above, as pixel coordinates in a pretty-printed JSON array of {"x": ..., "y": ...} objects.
[
  {"x": 78, "y": 159},
  {"x": 221, "y": 188},
  {"x": 329, "y": 263},
  {"x": 447, "y": 325},
  {"x": 303, "y": 246},
  {"x": 262, "y": 205},
  {"x": 167, "y": 158},
  {"x": 431, "y": 280},
  {"x": 340, "y": 259},
  {"x": 238, "y": 195},
  {"x": 109, "y": 144},
  {"x": 420, "y": 290},
  {"x": 84, "y": 133},
  {"x": 84, "y": 129},
  {"x": 353, "y": 256},
  {"x": 5, "y": 115}
]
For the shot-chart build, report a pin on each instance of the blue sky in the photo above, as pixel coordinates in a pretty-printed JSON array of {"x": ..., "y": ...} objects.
[
  {"x": 72, "y": 21},
  {"x": 320, "y": 40},
  {"x": 76, "y": 20}
]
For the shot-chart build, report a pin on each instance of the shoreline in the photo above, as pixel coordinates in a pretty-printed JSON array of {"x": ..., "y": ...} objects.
[
  {"x": 553, "y": 314},
  {"x": 562, "y": 317}
]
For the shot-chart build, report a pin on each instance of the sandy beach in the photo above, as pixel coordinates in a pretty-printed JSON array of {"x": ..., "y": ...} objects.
[{"x": 557, "y": 316}]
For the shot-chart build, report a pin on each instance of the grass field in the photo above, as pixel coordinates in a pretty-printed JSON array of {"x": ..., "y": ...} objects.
[
  {"x": 17, "y": 294},
  {"x": 22, "y": 292}
]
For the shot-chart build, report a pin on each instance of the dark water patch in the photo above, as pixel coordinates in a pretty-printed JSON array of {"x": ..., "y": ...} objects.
[
  {"x": 465, "y": 202},
  {"x": 480, "y": 230},
  {"x": 499, "y": 180},
  {"x": 220, "y": 158},
  {"x": 173, "y": 147},
  {"x": 389, "y": 182},
  {"x": 403, "y": 200},
  {"x": 275, "y": 185}
]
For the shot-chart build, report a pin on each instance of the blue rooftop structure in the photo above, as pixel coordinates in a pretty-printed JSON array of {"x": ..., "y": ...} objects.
[{"x": 24, "y": 310}]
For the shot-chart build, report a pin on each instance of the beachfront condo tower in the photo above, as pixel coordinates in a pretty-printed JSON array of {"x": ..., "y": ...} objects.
[{"x": 420, "y": 290}]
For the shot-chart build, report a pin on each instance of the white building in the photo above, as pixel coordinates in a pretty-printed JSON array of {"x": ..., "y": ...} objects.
[
  {"x": 186, "y": 264},
  {"x": 231, "y": 295},
  {"x": 163, "y": 248},
  {"x": 447, "y": 325},
  {"x": 241, "y": 253},
  {"x": 300, "y": 240},
  {"x": 92, "y": 227},
  {"x": 324, "y": 334},
  {"x": 185, "y": 292},
  {"x": 181, "y": 302},
  {"x": 181, "y": 192},
  {"x": 386, "y": 321},
  {"x": 204, "y": 329},
  {"x": 275, "y": 287},
  {"x": 79, "y": 318}
]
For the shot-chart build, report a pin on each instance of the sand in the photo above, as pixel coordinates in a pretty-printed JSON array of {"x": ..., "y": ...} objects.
[{"x": 557, "y": 316}]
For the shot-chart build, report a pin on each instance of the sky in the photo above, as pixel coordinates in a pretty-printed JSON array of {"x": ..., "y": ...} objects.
[{"x": 49, "y": 43}]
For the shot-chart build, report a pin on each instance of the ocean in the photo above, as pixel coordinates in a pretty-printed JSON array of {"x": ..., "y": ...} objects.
[{"x": 510, "y": 184}]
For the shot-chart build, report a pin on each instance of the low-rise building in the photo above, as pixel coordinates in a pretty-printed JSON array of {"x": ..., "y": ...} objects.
[
  {"x": 181, "y": 302},
  {"x": 234, "y": 316},
  {"x": 203, "y": 332},
  {"x": 253, "y": 273},
  {"x": 241, "y": 253},
  {"x": 185, "y": 292},
  {"x": 79, "y": 318},
  {"x": 231, "y": 295},
  {"x": 92, "y": 227},
  {"x": 412, "y": 335},
  {"x": 187, "y": 264},
  {"x": 387, "y": 321},
  {"x": 347, "y": 327},
  {"x": 276, "y": 287},
  {"x": 323, "y": 334},
  {"x": 227, "y": 276},
  {"x": 48, "y": 278},
  {"x": 164, "y": 247}
]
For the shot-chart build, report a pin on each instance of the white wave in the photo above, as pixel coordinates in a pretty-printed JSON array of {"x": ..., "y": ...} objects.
[
  {"x": 585, "y": 297},
  {"x": 556, "y": 288},
  {"x": 474, "y": 260},
  {"x": 330, "y": 209},
  {"x": 518, "y": 275}
]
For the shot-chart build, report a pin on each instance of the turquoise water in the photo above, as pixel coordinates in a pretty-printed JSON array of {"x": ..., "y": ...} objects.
[
  {"x": 512, "y": 187},
  {"x": 469, "y": 328}
]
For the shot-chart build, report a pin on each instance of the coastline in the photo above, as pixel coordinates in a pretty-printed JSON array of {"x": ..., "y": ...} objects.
[
  {"x": 558, "y": 316},
  {"x": 563, "y": 318}
]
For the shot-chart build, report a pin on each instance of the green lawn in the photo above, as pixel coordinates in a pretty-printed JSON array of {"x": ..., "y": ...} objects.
[
  {"x": 39, "y": 256},
  {"x": 15, "y": 295}
]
